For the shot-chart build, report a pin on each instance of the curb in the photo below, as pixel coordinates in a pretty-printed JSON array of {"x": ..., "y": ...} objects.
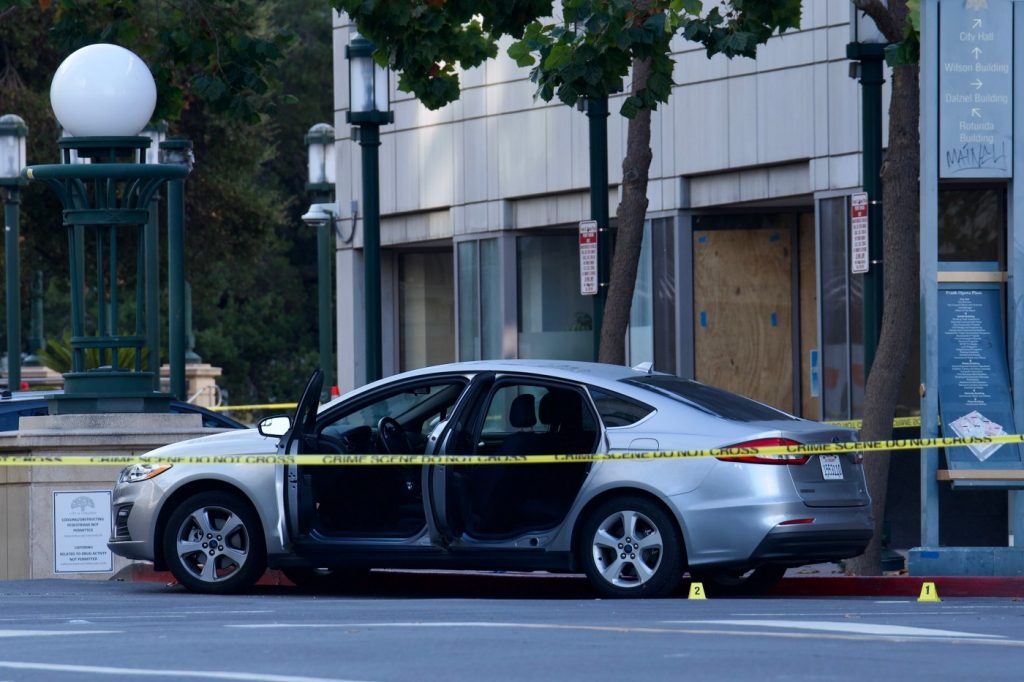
[{"x": 532, "y": 585}]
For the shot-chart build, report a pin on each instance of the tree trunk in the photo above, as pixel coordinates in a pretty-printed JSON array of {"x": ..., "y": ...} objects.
[
  {"x": 901, "y": 204},
  {"x": 629, "y": 237}
]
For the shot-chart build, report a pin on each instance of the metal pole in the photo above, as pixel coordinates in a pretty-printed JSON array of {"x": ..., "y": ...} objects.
[
  {"x": 151, "y": 272},
  {"x": 369, "y": 141},
  {"x": 929, "y": 259},
  {"x": 597, "y": 118},
  {"x": 871, "y": 57},
  {"x": 176, "y": 285},
  {"x": 11, "y": 254},
  {"x": 324, "y": 256}
]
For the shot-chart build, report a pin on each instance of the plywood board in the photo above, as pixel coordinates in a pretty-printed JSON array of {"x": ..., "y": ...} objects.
[
  {"x": 743, "y": 333},
  {"x": 809, "y": 406}
]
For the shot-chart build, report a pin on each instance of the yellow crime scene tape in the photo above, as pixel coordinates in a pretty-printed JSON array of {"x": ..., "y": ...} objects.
[
  {"x": 249, "y": 408},
  {"x": 405, "y": 460}
]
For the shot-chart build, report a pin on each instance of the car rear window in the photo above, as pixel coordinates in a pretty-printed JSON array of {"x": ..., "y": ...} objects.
[
  {"x": 618, "y": 411},
  {"x": 709, "y": 399}
]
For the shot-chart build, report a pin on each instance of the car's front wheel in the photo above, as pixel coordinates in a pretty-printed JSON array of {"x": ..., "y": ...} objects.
[
  {"x": 214, "y": 543},
  {"x": 629, "y": 547}
]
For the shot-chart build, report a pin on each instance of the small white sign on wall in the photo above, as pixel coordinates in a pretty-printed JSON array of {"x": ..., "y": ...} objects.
[{"x": 81, "y": 528}]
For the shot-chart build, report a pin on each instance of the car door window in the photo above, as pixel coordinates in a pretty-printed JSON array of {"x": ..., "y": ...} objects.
[{"x": 418, "y": 408}]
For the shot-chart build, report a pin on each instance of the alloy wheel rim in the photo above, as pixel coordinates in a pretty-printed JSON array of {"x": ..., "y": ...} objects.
[
  {"x": 627, "y": 549},
  {"x": 213, "y": 544}
]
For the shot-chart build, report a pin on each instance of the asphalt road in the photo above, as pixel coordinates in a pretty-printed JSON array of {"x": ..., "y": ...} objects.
[{"x": 85, "y": 630}]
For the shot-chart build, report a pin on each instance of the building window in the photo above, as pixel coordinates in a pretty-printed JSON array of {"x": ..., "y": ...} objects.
[
  {"x": 652, "y": 323},
  {"x": 555, "y": 320},
  {"x": 480, "y": 308},
  {"x": 842, "y": 316},
  {"x": 426, "y": 309}
]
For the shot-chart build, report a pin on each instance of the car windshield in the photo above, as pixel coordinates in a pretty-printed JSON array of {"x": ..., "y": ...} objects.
[{"x": 709, "y": 399}]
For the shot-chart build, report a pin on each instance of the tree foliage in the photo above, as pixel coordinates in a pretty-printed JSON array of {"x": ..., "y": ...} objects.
[{"x": 221, "y": 67}]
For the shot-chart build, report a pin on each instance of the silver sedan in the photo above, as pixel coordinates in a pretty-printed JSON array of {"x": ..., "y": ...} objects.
[{"x": 633, "y": 527}]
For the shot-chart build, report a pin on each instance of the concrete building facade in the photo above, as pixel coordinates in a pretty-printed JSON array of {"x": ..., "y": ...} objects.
[{"x": 743, "y": 281}]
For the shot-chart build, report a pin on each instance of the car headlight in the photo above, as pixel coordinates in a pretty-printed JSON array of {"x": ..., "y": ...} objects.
[{"x": 141, "y": 472}]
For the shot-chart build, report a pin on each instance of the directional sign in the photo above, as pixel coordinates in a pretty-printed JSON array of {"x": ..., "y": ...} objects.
[
  {"x": 975, "y": 88},
  {"x": 588, "y": 257}
]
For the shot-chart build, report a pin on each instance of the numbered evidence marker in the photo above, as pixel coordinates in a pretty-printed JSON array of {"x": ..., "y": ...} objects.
[
  {"x": 697, "y": 591},
  {"x": 929, "y": 593}
]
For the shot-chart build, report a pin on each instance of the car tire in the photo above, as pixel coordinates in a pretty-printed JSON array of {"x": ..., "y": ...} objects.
[
  {"x": 753, "y": 583},
  {"x": 620, "y": 564},
  {"x": 238, "y": 551},
  {"x": 342, "y": 580}
]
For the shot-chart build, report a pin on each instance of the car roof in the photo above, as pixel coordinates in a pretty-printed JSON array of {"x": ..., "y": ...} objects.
[{"x": 594, "y": 372}]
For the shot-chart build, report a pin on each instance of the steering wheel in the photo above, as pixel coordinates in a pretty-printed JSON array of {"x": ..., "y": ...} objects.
[{"x": 392, "y": 437}]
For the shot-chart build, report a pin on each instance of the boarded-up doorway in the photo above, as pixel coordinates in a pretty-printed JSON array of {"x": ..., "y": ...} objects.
[{"x": 744, "y": 279}]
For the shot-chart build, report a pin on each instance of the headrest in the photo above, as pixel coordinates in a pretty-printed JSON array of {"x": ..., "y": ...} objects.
[{"x": 522, "y": 414}]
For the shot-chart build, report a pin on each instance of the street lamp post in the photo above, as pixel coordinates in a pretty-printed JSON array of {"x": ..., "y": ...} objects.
[
  {"x": 369, "y": 108},
  {"x": 176, "y": 153},
  {"x": 103, "y": 95},
  {"x": 320, "y": 185},
  {"x": 597, "y": 119},
  {"x": 867, "y": 51},
  {"x": 13, "y": 132}
]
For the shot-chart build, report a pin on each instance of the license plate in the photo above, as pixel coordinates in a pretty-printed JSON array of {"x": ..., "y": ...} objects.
[{"x": 831, "y": 467}]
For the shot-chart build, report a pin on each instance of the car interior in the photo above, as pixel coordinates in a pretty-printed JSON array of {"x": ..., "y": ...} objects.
[
  {"x": 373, "y": 501},
  {"x": 506, "y": 500},
  {"x": 486, "y": 502}
]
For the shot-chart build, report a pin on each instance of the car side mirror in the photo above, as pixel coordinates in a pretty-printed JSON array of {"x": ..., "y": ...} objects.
[{"x": 274, "y": 427}]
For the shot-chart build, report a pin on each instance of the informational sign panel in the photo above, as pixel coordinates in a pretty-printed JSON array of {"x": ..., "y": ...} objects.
[
  {"x": 81, "y": 528},
  {"x": 976, "y": 89},
  {"x": 588, "y": 257},
  {"x": 859, "y": 261},
  {"x": 974, "y": 382}
]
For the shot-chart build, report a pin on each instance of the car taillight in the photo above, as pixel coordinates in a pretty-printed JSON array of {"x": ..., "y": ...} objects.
[{"x": 767, "y": 459}]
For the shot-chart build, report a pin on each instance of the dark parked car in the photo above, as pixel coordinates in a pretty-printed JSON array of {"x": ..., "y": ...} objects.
[{"x": 13, "y": 406}]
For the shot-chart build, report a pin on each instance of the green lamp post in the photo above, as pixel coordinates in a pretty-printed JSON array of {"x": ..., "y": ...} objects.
[
  {"x": 867, "y": 52},
  {"x": 13, "y": 132},
  {"x": 103, "y": 95},
  {"x": 369, "y": 108},
  {"x": 320, "y": 185}
]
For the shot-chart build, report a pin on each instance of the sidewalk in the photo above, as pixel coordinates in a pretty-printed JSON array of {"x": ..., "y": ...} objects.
[{"x": 547, "y": 585}]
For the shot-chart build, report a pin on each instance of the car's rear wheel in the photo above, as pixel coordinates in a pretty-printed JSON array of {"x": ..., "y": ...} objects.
[
  {"x": 335, "y": 579},
  {"x": 214, "y": 543},
  {"x": 629, "y": 547},
  {"x": 722, "y": 583}
]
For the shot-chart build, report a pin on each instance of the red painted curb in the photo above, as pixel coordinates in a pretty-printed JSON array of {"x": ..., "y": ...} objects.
[{"x": 536, "y": 584}]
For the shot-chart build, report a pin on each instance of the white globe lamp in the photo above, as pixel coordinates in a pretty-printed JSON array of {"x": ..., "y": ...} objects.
[{"x": 103, "y": 90}]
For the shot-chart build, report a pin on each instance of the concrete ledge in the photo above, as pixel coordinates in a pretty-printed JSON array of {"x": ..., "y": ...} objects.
[{"x": 966, "y": 561}]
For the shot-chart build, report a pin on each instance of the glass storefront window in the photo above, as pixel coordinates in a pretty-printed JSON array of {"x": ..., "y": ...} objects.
[
  {"x": 426, "y": 313},
  {"x": 652, "y": 323},
  {"x": 641, "y": 313},
  {"x": 479, "y": 300},
  {"x": 555, "y": 320}
]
